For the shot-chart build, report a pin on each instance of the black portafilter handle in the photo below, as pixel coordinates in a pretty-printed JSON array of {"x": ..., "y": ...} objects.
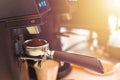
[{"x": 86, "y": 61}]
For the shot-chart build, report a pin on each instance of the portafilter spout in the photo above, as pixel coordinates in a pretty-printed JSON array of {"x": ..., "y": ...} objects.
[{"x": 86, "y": 61}]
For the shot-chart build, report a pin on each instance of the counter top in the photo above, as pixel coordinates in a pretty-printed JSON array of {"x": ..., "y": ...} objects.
[{"x": 80, "y": 73}]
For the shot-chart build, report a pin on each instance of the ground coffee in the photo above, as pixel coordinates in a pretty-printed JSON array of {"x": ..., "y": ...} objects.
[{"x": 35, "y": 42}]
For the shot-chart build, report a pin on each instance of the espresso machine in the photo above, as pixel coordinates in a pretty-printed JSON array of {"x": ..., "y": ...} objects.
[{"x": 19, "y": 19}]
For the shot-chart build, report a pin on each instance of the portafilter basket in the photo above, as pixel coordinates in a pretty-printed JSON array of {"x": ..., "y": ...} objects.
[{"x": 36, "y": 50}]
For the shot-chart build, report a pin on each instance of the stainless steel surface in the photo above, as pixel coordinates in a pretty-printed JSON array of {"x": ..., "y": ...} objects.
[{"x": 36, "y": 51}]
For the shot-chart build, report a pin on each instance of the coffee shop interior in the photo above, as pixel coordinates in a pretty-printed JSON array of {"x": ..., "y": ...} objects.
[{"x": 59, "y": 39}]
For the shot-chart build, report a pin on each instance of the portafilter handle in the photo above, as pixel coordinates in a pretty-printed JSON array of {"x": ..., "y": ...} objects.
[{"x": 86, "y": 61}]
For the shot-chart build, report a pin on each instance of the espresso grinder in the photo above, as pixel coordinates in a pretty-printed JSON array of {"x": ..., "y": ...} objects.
[{"x": 17, "y": 17}]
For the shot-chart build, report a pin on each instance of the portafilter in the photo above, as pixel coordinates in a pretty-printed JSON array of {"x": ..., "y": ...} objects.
[{"x": 43, "y": 50}]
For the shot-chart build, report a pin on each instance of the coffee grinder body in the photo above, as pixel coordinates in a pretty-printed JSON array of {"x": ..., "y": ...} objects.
[{"x": 12, "y": 26}]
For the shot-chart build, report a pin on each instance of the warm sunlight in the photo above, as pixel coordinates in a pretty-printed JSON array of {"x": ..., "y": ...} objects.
[
  {"x": 116, "y": 3},
  {"x": 113, "y": 6},
  {"x": 114, "y": 23},
  {"x": 118, "y": 22},
  {"x": 112, "y": 20}
]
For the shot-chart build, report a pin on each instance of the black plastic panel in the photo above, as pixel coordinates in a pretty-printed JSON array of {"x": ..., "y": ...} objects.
[{"x": 20, "y": 8}]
